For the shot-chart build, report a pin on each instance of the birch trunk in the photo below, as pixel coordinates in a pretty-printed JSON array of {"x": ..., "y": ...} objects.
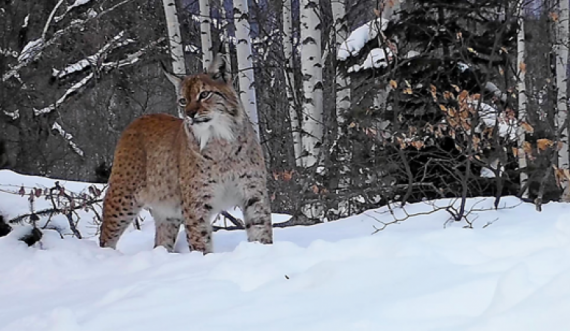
[
  {"x": 562, "y": 90},
  {"x": 312, "y": 120},
  {"x": 561, "y": 81},
  {"x": 342, "y": 83},
  {"x": 225, "y": 35},
  {"x": 290, "y": 81},
  {"x": 521, "y": 88},
  {"x": 245, "y": 62},
  {"x": 205, "y": 33},
  {"x": 175, "y": 42}
]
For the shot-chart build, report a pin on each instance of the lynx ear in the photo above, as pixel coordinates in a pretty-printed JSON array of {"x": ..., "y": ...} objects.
[
  {"x": 177, "y": 81},
  {"x": 219, "y": 69}
]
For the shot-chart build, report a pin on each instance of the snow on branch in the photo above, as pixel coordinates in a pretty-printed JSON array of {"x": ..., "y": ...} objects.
[
  {"x": 77, "y": 3},
  {"x": 133, "y": 57},
  {"x": 33, "y": 51},
  {"x": 93, "y": 59},
  {"x": 67, "y": 93},
  {"x": 376, "y": 59},
  {"x": 14, "y": 115},
  {"x": 56, "y": 126},
  {"x": 359, "y": 37}
]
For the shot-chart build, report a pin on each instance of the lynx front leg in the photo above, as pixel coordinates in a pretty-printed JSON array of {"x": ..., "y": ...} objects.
[
  {"x": 257, "y": 213},
  {"x": 197, "y": 225}
]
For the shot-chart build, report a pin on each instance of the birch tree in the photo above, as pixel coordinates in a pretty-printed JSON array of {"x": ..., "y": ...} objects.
[
  {"x": 561, "y": 48},
  {"x": 521, "y": 88},
  {"x": 206, "y": 33},
  {"x": 245, "y": 61},
  {"x": 175, "y": 42},
  {"x": 311, "y": 67},
  {"x": 290, "y": 81},
  {"x": 342, "y": 85}
]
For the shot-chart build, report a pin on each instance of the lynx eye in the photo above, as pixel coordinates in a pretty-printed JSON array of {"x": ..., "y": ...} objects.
[
  {"x": 205, "y": 95},
  {"x": 182, "y": 102}
]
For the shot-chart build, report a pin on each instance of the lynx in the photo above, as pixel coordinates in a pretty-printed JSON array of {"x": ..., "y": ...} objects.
[{"x": 185, "y": 171}]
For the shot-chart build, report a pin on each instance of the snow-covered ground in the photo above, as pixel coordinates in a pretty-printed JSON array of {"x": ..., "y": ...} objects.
[{"x": 511, "y": 272}]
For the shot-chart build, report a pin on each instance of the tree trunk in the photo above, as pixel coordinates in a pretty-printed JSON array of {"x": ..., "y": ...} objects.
[
  {"x": 312, "y": 120},
  {"x": 175, "y": 41},
  {"x": 290, "y": 81},
  {"x": 245, "y": 61},
  {"x": 342, "y": 86},
  {"x": 562, "y": 90},
  {"x": 521, "y": 88},
  {"x": 205, "y": 33}
]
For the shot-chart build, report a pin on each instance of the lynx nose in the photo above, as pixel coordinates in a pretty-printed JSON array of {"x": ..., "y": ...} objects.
[{"x": 191, "y": 111}]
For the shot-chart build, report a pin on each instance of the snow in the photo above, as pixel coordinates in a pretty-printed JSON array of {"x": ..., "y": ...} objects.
[
  {"x": 30, "y": 49},
  {"x": 375, "y": 59},
  {"x": 508, "y": 273},
  {"x": 359, "y": 37},
  {"x": 489, "y": 115}
]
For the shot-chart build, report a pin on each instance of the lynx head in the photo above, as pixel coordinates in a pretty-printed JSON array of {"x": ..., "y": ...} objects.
[{"x": 211, "y": 104}]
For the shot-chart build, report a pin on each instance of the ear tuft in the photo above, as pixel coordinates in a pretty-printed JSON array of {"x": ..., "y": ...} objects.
[
  {"x": 175, "y": 80},
  {"x": 219, "y": 69}
]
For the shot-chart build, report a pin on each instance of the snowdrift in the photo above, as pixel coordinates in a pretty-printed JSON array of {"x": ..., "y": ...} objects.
[{"x": 510, "y": 272}]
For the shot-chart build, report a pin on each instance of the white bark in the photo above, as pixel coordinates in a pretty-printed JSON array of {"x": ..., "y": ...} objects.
[
  {"x": 562, "y": 91},
  {"x": 290, "y": 81},
  {"x": 206, "y": 33},
  {"x": 521, "y": 88},
  {"x": 342, "y": 83},
  {"x": 225, "y": 36},
  {"x": 561, "y": 81},
  {"x": 175, "y": 41},
  {"x": 245, "y": 61},
  {"x": 312, "y": 120}
]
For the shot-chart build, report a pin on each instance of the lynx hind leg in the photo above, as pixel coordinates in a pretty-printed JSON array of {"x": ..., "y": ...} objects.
[
  {"x": 166, "y": 231},
  {"x": 257, "y": 214},
  {"x": 119, "y": 210}
]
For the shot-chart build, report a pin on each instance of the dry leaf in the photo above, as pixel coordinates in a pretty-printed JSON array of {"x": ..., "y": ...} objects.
[
  {"x": 418, "y": 144},
  {"x": 515, "y": 152},
  {"x": 377, "y": 12},
  {"x": 527, "y": 127},
  {"x": 287, "y": 175},
  {"x": 275, "y": 175},
  {"x": 352, "y": 125},
  {"x": 522, "y": 67},
  {"x": 553, "y": 16},
  {"x": 448, "y": 95},
  {"x": 456, "y": 88},
  {"x": 393, "y": 84},
  {"x": 407, "y": 90},
  {"x": 315, "y": 189},
  {"x": 527, "y": 148},
  {"x": 544, "y": 144},
  {"x": 463, "y": 96}
]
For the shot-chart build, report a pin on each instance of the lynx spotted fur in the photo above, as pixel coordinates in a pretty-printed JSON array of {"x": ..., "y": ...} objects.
[{"x": 186, "y": 171}]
